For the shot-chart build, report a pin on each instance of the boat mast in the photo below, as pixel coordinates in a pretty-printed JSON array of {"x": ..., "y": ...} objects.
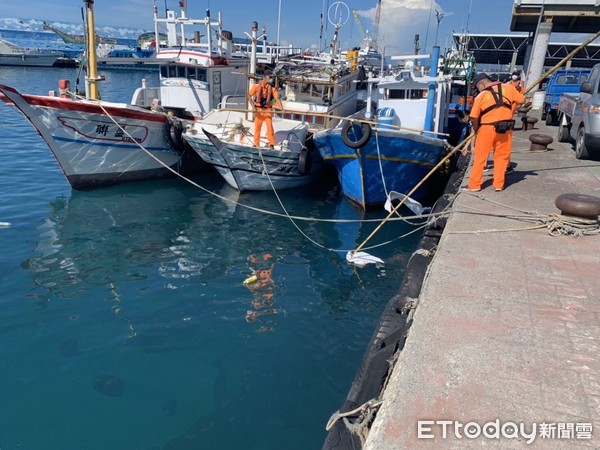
[
  {"x": 92, "y": 78},
  {"x": 156, "y": 34},
  {"x": 254, "y": 37}
]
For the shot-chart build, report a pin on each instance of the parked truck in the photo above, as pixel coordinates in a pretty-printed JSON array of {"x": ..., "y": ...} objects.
[
  {"x": 579, "y": 117},
  {"x": 561, "y": 82}
]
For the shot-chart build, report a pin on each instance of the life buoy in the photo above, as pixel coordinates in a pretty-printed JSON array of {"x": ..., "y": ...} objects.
[
  {"x": 175, "y": 133},
  {"x": 304, "y": 162},
  {"x": 355, "y": 134},
  {"x": 579, "y": 205}
]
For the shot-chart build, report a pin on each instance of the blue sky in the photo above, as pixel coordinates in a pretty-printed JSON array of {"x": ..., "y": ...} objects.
[{"x": 300, "y": 22}]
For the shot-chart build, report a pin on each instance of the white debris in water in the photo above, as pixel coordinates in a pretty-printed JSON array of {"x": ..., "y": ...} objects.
[{"x": 361, "y": 259}]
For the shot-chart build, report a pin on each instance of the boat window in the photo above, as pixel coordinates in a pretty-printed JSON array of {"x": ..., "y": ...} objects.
[
  {"x": 416, "y": 94},
  {"x": 397, "y": 93},
  {"x": 172, "y": 72},
  {"x": 201, "y": 74},
  {"x": 560, "y": 79}
]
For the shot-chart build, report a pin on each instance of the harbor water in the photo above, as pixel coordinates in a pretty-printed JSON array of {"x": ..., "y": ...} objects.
[{"x": 125, "y": 323}]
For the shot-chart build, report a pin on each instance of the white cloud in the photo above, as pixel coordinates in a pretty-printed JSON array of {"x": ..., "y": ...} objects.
[{"x": 400, "y": 21}]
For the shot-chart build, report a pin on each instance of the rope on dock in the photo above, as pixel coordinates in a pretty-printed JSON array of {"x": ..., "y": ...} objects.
[
  {"x": 360, "y": 426},
  {"x": 556, "y": 224},
  {"x": 559, "y": 225}
]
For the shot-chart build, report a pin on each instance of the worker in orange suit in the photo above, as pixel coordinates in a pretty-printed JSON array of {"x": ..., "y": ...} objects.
[
  {"x": 492, "y": 119},
  {"x": 262, "y": 96},
  {"x": 516, "y": 81}
]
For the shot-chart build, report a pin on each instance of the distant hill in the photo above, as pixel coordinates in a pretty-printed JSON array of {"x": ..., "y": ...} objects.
[{"x": 35, "y": 25}]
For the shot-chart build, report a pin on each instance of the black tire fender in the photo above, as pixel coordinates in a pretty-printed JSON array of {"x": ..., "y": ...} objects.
[
  {"x": 579, "y": 205},
  {"x": 304, "y": 162},
  {"x": 175, "y": 132},
  {"x": 355, "y": 134}
]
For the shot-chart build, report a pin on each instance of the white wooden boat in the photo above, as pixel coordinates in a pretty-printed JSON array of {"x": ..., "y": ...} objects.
[{"x": 224, "y": 140}]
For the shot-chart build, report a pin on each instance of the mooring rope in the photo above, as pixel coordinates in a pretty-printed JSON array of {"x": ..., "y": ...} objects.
[
  {"x": 360, "y": 411},
  {"x": 407, "y": 219},
  {"x": 556, "y": 224},
  {"x": 559, "y": 224}
]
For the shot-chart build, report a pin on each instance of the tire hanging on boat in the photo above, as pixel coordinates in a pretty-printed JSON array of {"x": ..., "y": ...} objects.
[
  {"x": 174, "y": 134},
  {"x": 355, "y": 134},
  {"x": 304, "y": 162}
]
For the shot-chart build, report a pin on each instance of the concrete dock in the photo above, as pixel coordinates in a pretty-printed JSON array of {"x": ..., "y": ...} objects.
[{"x": 506, "y": 335}]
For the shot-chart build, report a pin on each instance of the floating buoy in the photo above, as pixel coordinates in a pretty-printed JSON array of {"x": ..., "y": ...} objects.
[
  {"x": 250, "y": 280},
  {"x": 579, "y": 205}
]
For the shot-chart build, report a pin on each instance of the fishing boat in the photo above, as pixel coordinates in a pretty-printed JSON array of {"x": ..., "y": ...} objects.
[
  {"x": 317, "y": 93},
  {"x": 394, "y": 151},
  {"x": 128, "y": 58},
  {"x": 14, "y": 55},
  {"x": 79, "y": 39},
  {"x": 247, "y": 168},
  {"x": 99, "y": 143}
]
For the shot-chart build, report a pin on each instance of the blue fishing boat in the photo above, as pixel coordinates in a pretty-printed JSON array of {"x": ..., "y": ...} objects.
[{"x": 394, "y": 151}]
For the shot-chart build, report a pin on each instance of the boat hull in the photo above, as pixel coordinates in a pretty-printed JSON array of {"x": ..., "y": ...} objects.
[
  {"x": 29, "y": 60},
  {"x": 91, "y": 149},
  {"x": 391, "y": 160},
  {"x": 248, "y": 168}
]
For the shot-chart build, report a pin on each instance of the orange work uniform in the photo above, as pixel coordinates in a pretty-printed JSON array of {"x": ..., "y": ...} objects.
[
  {"x": 518, "y": 85},
  {"x": 267, "y": 93},
  {"x": 495, "y": 103}
]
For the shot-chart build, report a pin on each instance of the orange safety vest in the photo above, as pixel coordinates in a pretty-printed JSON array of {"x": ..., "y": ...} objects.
[
  {"x": 499, "y": 102},
  {"x": 263, "y": 99}
]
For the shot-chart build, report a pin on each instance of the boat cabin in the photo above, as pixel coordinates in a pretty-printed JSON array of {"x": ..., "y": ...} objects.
[
  {"x": 195, "y": 76},
  {"x": 318, "y": 95},
  {"x": 404, "y": 99}
]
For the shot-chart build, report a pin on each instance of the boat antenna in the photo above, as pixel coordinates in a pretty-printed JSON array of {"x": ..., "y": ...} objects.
[
  {"x": 428, "y": 22},
  {"x": 80, "y": 63},
  {"x": 278, "y": 28},
  {"x": 468, "y": 17},
  {"x": 321, "y": 32}
]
